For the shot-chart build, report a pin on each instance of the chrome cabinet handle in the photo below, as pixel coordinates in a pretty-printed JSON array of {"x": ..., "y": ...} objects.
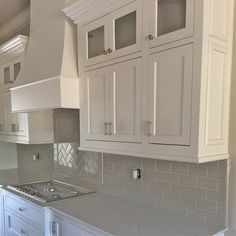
[
  {"x": 109, "y": 50},
  {"x": 106, "y": 125},
  {"x": 21, "y": 209},
  {"x": 21, "y": 231},
  {"x": 13, "y": 127},
  {"x": 150, "y": 37},
  {"x": 55, "y": 228},
  {"x": 149, "y": 128},
  {"x": 110, "y": 128}
]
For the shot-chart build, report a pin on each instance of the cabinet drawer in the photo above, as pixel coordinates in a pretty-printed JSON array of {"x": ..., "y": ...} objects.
[
  {"x": 17, "y": 226},
  {"x": 24, "y": 209}
]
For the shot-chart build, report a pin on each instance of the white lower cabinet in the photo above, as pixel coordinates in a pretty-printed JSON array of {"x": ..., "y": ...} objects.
[
  {"x": 110, "y": 110},
  {"x": 61, "y": 225},
  {"x": 1, "y": 214},
  {"x": 22, "y": 217},
  {"x": 16, "y": 226}
]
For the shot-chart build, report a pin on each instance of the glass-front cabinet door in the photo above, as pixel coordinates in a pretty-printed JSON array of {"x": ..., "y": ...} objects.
[
  {"x": 95, "y": 35},
  {"x": 126, "y": 29},
  {"x": 170, "y": 20},
  {"x": 116, "y": 34},
  {"x": 7, "y": 76},
  {"x": 10, "y": 72}
]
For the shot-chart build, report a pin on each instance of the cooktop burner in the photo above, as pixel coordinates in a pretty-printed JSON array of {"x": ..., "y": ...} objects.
[{"x": 48, "y": 191}]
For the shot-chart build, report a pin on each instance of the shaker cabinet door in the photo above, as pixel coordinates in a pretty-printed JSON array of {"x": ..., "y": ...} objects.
[
  {"x": 125, "y": 101},
  {"x": 170, "y": 82},
  {"x": 170, "y": 20},
  {"x": 96, "y": 92}
]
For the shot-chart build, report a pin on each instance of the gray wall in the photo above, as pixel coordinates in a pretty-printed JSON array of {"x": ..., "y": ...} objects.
[
  {"x": 25, "y": 155},
  {"x": 8, "y": 156}
]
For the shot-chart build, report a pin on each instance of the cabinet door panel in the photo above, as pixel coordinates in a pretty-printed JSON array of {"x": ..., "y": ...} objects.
[
  {"x": 21, "y": 121},
  {"x": 126, "y": 29},
  {"x": 95, "y": 41},
  {"x": 170, "y": 81},
  {"x": 15, "y": 226},
  {"x": 97, "y": 104},
  {"x": 10, "y": 118},
  {"x": 2, "y": 115},
  {"x": 7, "y": 75},
  {"x": 125, "y": 101},
  {"x": 15, "y": 123},
  {"x": 170, "y": 20}
]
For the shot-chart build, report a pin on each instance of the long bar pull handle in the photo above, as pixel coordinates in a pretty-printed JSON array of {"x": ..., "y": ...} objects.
[
  {"x": 106, "y": 127},
  {"x": 149, "y": 128},
  {"x": 110, "y": 129}
]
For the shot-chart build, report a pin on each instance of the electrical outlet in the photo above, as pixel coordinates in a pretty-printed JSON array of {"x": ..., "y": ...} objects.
[
  {"x": 136, "y": 174},
  {"x": 36, "y": 157}
]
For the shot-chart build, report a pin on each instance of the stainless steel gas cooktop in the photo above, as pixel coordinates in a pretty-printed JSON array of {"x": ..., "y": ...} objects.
[{"x": 47, "y": 191}]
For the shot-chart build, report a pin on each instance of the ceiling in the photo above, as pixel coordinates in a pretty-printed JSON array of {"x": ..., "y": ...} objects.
[{"x": 10, "y": 8}]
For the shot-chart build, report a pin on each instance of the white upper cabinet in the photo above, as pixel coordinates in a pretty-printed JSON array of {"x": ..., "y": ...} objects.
[
  {"x": 15, "y": 122},
  {"x": 96, "y": 107},
  {"x": 26, "y": 128},
  {"x": 116, "y": 34},
  {"x": 170, "y": 20},
  {"x": 95, "y": 41},
  {"x": 10, "y": 72},
  {"x": 112, "y": 111},
  {"x": 125, "y": 101},
  {"x": 170, "y": 96},
  {"x": 172, "y": 102}
]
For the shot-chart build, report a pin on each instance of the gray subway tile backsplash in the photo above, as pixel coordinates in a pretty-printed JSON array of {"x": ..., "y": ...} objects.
[{"x": 197, "y": 191}]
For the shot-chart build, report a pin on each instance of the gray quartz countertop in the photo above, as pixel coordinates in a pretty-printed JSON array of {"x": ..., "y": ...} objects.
[{"x": 118, "y": 216}]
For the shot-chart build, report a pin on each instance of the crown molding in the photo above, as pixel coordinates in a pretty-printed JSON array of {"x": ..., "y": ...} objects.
[
  {"x": 14, "y": 25},
  {"x": 13, "y": 48},
  {"x": 83, "y": 11}
]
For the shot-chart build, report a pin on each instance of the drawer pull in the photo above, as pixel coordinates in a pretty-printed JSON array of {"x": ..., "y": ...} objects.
[
  {"x": 149, "y": 128},
  {"x": 21, "y": 231},
  {"x": 21, "y": 209},
  {"x": 106, "y": 125}
]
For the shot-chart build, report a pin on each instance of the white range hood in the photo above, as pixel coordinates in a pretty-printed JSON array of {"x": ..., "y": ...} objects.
[{"x": 49, "y": 75}]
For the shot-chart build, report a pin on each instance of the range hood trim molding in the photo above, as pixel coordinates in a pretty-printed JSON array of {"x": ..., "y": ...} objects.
[
  {"x": 13, "y": 48},
  {"x": 80, "y": 12}
]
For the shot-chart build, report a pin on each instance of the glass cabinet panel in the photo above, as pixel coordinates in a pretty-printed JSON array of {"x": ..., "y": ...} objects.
[
  {"x": 7, "y": 75},
  {"x": 125, "y": 31},
  {"x": 170, "y": 20},
  {"x": 96, "y": 42},
  {"x": 171, "y": 16},
  {"x": 16, "y": 69}
]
